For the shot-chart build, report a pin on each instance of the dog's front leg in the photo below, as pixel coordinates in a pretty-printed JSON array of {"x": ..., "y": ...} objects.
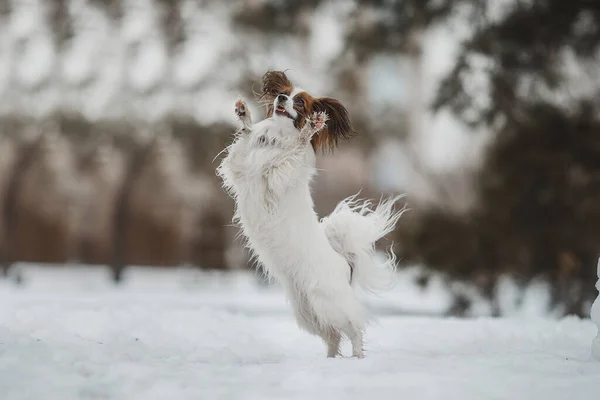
[
  {"x": 239, "y": 150},
  {"x": 233, "y": 167},
  {"x": 243, "y": 114}
]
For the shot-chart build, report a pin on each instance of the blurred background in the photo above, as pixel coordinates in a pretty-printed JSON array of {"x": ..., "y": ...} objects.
[{"x": 485, "y": 113}]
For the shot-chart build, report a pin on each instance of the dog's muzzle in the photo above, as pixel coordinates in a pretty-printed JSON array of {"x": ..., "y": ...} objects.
[{"x": 280, "y": 106}]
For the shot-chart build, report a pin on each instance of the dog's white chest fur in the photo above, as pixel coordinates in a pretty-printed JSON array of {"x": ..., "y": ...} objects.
[{"x": 274, "y": 203}]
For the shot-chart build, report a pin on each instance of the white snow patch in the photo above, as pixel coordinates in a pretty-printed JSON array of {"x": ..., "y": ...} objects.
[
  {"x": 517, "y": 301},
  {"x": 233, "y": 340}
]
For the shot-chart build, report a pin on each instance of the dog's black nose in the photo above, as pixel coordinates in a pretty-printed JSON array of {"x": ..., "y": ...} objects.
[{"x": 281, "y": 98}]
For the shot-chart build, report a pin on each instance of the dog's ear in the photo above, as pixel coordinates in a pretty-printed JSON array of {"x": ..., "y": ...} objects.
[
  {"x": 273, "y": 83},
  {"x": 338, "y": 126}
]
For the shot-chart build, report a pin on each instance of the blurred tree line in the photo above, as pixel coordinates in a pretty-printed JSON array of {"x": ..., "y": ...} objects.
[
  {"x": 537, "y": 213},
  {"x": 527, "y": 71}
]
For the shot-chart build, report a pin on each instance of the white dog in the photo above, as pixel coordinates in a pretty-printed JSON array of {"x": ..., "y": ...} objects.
[{"x": 268, "y": 170}]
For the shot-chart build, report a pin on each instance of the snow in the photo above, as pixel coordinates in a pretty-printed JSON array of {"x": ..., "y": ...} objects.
[{"x": 67, "y": 333}]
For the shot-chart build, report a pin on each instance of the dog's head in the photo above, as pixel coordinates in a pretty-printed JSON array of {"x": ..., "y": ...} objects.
[{"x": 284, "y": 100}]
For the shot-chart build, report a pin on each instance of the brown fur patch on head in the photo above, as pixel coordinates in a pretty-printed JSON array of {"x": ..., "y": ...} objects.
[
  {"x": 273, "y": 84},
  {"x": 338, "y": 126},
  {"x": 302, "y": 104}
]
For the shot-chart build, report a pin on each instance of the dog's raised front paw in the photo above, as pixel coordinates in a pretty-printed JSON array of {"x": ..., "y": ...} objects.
[
  {"x": 315, "y": 123},
  {"x": 240, "y": 108},
  {"x": 318, "y": 121}
]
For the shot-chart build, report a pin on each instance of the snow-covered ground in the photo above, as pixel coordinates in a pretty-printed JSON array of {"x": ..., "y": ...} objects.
[{"x": 70, "y": 334}]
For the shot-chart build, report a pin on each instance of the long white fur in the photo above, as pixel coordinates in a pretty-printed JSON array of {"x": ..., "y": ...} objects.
[{"x": 268, "y": 170}]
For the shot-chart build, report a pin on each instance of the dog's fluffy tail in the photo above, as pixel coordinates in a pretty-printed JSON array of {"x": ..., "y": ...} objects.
[{"x": 353, "y": 228}]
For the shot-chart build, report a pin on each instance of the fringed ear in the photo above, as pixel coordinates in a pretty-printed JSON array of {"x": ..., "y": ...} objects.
[
  {"x": 273, "y": 83},
  {"x": 338, "y": 125}
]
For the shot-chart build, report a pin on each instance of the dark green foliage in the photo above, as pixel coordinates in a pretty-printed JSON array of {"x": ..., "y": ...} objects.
[
  {"x": 541, "y": 184},
  {"x": 538, "y": 212}
]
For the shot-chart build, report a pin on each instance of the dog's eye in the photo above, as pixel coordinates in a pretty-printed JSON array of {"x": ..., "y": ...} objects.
[{"x": 299, "y": 101}]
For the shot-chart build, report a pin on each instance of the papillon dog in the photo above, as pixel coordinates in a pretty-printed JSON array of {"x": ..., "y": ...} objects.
[{"x": 268, "y": 170}]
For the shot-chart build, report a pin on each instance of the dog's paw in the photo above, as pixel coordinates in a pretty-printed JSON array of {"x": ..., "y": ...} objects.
[
  {"x": 240, "y": 108},
  {"x": 318, "y": 121}
]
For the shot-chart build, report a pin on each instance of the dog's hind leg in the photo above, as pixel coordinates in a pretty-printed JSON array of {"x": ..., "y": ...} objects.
[
  {"x": 356, "y": 339},
  {"x": 332, "y": 339}
]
